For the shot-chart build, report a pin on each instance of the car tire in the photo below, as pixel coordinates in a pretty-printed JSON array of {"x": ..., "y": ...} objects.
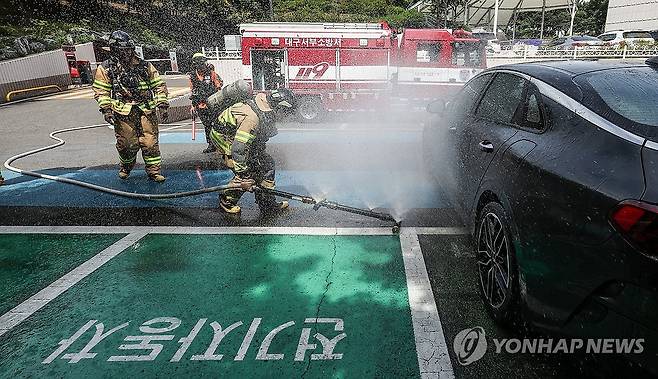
[
  {"x": 497, "y": 270},
  {"x": 310, "y": 109}
]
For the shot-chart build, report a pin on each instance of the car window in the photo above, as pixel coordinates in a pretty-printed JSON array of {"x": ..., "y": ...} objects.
[
  {"x": 626, "y": 97},
  {"x": 584, "y": 38},
  {"x": 428, "y": 51},
  {"x": 532, "y": 117},
  {"x": 466, "y": 54},
  {"x": 637, "y": 34},
  {"x": 607, "y": 37},
  {"x": 470, "y": 93},
  {"x": 484, "y": 36},
  {"x": 558, "y": 41},
  {"x": 503, "y": 99}
]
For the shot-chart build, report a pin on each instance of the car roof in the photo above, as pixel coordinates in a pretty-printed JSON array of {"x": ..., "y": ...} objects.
[{"x": 560, "y": 74}]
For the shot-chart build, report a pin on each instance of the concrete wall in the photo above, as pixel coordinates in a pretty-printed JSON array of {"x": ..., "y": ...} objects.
[
  {"x": 49, "y": 68},
  {"x": 632, "y": 14}
]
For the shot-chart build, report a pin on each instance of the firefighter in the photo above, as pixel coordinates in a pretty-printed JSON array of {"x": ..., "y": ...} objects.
[
  {"x": 204, "y": 82},
  {"x": 240, "y": 136},
  {"x": 129, "y": 90},
  {"x": 2, "y": 180}
]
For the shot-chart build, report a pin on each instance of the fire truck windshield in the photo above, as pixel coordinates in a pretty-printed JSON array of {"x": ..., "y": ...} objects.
[{"x": 467, "y": 54}]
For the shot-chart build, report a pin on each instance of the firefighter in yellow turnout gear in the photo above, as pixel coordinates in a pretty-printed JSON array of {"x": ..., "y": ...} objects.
[
  {"x": 240, "y": 136},
  {"x": 128, "y": 91}
]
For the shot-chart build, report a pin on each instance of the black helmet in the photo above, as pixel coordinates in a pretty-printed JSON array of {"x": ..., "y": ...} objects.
[
  {"x": 120, "y": 41},
  {"x": 281, "y": 98},
  {"x": 199, "y": 60}
]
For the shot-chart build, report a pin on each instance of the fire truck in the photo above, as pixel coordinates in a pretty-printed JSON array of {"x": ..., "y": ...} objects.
[{"x": 358, "y": 66}]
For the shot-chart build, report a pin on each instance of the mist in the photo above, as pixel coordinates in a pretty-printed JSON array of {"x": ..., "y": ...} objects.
[{"x": 373, "y": 160}]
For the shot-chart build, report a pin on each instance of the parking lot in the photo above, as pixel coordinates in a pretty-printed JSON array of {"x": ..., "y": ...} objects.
[{"x": 96, "y": 285}]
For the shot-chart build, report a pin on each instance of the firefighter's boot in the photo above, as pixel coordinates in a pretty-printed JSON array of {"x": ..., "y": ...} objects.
[
  {"x": 271, "y": 209},
  {"x": 124, "y": 171},
  {"x": 158, "y": 178},
  {"x": 266, "y": 202},
  {"x": 210, "y": 149},
  {"x": 228, "y": 206}
]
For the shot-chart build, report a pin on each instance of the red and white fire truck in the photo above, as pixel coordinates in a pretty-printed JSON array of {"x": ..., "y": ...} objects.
[{"x": 344, "y": 67}]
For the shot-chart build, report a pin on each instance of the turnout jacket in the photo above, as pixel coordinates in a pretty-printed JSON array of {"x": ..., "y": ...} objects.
[
  {"x": 242, "y": 131},
  {"x": 120, "y": 88},
  {"x": 203, "y": 85}
]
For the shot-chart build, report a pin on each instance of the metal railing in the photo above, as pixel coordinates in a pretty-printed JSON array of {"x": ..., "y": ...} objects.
[
  {"x": 525, "y": 52},
  {"x": 32, "y": 89},
  {"x": 217, "y": 54}
]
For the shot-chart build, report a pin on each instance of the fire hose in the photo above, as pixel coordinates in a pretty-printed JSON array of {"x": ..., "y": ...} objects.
[{"x": 317, "y": 204}]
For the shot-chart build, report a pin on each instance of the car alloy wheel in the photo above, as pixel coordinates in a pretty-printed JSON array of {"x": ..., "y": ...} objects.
[{"x": 493, "y": 260}]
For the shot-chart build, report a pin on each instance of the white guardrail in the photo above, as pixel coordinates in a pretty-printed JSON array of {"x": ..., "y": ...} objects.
[
  {"x": 527, "y": 52},
  {"x": 214, "y": 53},
  {"x": 510, "y": 54}
]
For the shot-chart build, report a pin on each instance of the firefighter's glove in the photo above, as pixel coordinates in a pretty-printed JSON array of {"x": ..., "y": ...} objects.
[
  {"x": 245, "y": 182},
  {"x": 164, "y": 112},
  {"x": 108, "y": 115}
]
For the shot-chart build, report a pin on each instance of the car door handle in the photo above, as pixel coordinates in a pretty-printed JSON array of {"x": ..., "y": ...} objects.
[{"x": 486, "y": 146}]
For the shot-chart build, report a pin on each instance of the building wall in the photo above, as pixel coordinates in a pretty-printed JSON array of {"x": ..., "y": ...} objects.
[{"x": 632, "y": 14}]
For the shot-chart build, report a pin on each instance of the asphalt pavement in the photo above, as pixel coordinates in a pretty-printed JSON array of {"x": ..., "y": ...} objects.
[{"x": 360, "y": 159}]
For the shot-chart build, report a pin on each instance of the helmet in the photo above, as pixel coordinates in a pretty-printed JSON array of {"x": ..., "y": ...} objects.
[
  {"x": 120, "y": 40},
  {"x": 199, "y": 60},
  {"x": 281, "y": 98},
  {"x": 121, "y": 45}
]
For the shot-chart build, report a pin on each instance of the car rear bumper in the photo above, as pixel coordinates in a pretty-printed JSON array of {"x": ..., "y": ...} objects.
[
  {"x": 601, "y": 319},
  {"x": 624, "y": 305}
]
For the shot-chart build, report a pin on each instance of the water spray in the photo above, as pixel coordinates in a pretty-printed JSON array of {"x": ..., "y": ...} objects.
[{"x": 317, "y": 204}]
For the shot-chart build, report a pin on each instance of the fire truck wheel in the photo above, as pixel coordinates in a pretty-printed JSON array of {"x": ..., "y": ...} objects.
[{"x": 310, "y": 109}]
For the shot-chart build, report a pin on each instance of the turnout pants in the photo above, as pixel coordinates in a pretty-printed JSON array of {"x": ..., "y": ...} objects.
[
  {"x": 134, "y": 132},
  {"x": 208, "y": 118},
  {"x": 261, "y": 170}
]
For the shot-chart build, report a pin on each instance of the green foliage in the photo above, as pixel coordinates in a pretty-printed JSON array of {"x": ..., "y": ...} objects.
[
  {"x": 392, "y": 11},
  {"x": 590, "y": 17},
  {"x": 185, "y": 23},
  {"x": 590, "y": 20}
]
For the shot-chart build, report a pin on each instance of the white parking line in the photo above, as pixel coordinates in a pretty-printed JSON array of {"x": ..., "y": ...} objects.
[
  {"x": 431, "y": 345},
  {"x": 27, "y": 308}
]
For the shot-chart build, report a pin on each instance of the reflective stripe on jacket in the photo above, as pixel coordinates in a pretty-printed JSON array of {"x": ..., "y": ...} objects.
[{"x": 152, "y": 91}]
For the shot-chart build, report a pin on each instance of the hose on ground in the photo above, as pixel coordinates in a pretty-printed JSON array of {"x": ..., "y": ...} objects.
[{"x": 95, "y": 187}]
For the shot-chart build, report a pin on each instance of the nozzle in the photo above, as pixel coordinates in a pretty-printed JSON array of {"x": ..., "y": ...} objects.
[
  {"x": 396, "y": 227},
  {"x": 319, "y": 204},
  {"x": 308, "y": 200}
]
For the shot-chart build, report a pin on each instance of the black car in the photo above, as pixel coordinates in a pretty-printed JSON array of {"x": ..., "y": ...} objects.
[{"x": 554, "y": 166}]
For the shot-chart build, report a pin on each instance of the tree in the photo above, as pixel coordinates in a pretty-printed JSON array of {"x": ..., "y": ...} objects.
[
  {"x": 590, "y": 20},
  {"x": 590, "y": 17}
]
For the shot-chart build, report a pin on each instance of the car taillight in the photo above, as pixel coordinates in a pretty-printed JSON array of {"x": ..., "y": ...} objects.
[{"x": 638, "y": 223}]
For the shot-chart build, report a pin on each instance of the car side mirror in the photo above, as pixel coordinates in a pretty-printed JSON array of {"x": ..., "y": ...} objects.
[{"x": 436, "y": 107}]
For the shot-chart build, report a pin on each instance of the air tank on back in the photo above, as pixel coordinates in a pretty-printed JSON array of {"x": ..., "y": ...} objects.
[{"x": 232, "y": 93}]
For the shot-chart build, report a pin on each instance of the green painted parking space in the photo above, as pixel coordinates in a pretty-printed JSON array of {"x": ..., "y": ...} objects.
[
  {"x": 30, "y": 262},
  {"x": 228, "y": 306}
]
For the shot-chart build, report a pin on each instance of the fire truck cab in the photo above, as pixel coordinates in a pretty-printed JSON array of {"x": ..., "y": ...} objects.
[{"x": 364, "y": 66}]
